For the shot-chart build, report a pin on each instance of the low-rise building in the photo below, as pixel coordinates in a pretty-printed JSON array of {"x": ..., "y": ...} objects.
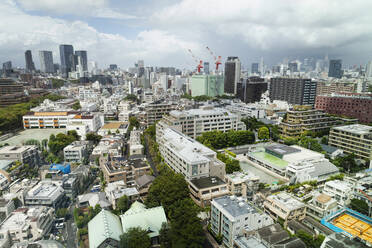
[
  {"x": 341, "y": 191},
  {"x": 92, "y": 199},
  {"x": 156, "y": 110},
  {"x": 114, "y": 128},
  {"x": 118, "y": 189},
  {"x": 284, "y": 206},
  {"x": 230, "y": 216},
  {"x": 111, "y": 145},
  {"x": 46, "y": 193},
  {"x": 77, "y": 151},
  {"x": 143, "y": 184},
  {"x": 242, "y": 184},
  {"x": 26, "y": 224},
  {"x": 203, "y": 190},
  {"x": 24, "y": 154},
  {"x": 135, "y": 146},
  {"x": 321, "y": 205},
  {"x": 7, "y": 206},
  {"x": 356, "y": 139},
  {"x": 187, "y": 156}
]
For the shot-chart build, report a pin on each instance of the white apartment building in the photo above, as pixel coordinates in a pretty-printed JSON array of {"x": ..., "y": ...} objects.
[
  {"x": 321, "y": 205},
  {"x": 45, "y": 193},
  {"x": 194, "y": 122},
  {"x": 244, "y": 110},
  {"x": 88, "y": 93},
  {"x": 284, "y": 206},
  {"x": 26, "y": 224},
  {"x": 230, "y": 215},
  {"x": 135, "y": 146},
  {"x": 24, "y": 154},
  {"x": 341, "y": 191},
  {"x": 187, "y": 156},
  {"x": 76, "y": 151},
  {"x": 242, "y": 184}
]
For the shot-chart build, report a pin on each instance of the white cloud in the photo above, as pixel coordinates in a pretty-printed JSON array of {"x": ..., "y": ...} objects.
[
  {"x": 20, "y": 31},
  {"x": 94, "y": 8}
]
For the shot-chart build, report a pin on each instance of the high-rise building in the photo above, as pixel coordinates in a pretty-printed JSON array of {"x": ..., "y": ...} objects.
[
  {"x": 369, "y": 70},
  {"x": 113, "y": 67},
  {"x": 206, "y": 67},
  {"x": 297, "y": 91},
  {"x": 293, "y": 67},
  {"x": 335, "y": 68},
  {"x": 30, "y": 66},
  {"x": 66, "y": 53},
  {"x": 84, "y": 59},
  {"x": 251, "y": 89},
  {"x": 7, "y": 67},
  {"x": 46, "y": 61},
  {"x": 209, "y": 85},
  {"x": 232, "y": 75},
  {"x": 254, "y": 68}
]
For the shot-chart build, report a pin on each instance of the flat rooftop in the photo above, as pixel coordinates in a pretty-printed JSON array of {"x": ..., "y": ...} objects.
[
  {"x": 282, "y": 149},
  {"x": 206, "y": 111},
  {"x": 45, "y": 190},
  {"x": 238, "y": 177},
  {"x": 234, "y": 206},
  {"x": 115, "y": 125},
  {"x": 355, "y": 129},
  {"x": 270, "y": 159},
  {"x": 286, "y": 200},
  {"x": 207, "y": 182},
  {"x": 15, "y": 149}
]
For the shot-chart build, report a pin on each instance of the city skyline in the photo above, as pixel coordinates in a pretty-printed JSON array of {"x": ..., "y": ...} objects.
[{"x": 119, "y": 33}]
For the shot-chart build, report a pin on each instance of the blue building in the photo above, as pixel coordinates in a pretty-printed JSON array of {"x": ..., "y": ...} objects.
[{"x": 65, "y": 169}]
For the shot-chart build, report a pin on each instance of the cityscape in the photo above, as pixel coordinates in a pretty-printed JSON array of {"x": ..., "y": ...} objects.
[{"x": 185, "y": 137}]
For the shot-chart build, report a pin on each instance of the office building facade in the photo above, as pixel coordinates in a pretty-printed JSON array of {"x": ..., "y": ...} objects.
[
  {"x": 46, "y": 61},
  {"x": 66, "y": 53},
  {"x": 232, "y": 75},
  {"x": 335, "y": 68},
  {"x": 251, "y": 89},
  {"x": 30, "y": 66},
  {"x": 209, "y": 85},
  {"x": 83, "y": 58},
  {"x": 297, "y": 91},
  {"x": 254, "y": 68}
]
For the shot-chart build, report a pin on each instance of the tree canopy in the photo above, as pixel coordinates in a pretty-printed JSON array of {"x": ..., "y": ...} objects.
[
  {"x": 131, "y": 97},
  {"x": 61, "y": 140},
  {"x": 219, "y": 139},
  {"x": 135, "y": 238},
  {"x": 263, "y": 133},
  {"x": 232, "y": 165},
  {"x": 93, "y": 137}
]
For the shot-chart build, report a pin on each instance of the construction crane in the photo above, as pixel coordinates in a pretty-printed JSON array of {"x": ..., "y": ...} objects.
[
  {"x": 200, "y": 62},
  {"x": 217, "y": 60},
  {"x": 369, "y": 199}
]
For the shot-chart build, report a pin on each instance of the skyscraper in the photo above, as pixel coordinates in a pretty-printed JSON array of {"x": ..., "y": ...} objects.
[
  {"x": 251, "y": 89},
  {"x": 254, "y": 68},
  {"x": 66, "y": 53},
  {"x": 7, "y": 67},
  {"x": 369, "y": 70},
  {"x": 30, "y": 66},
  {"x": 46, "y": 61},
  {"x": 206, "y": 68},
  {"x": 232, "y": 75},
  {"x": 84, "y": 59},
  {"x": 335, "y": 68}
]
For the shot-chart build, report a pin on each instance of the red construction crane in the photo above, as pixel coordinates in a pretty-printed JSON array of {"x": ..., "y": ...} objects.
[
  {"x": 369, "y": 199},
  {"x": 217, "y": 60},
  {"x": 200, "y": 62}
]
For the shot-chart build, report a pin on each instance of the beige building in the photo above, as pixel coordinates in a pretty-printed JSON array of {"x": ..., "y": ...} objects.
[
  {"x": 156, "y": 110},
  {"x": 354, "y": 138},
  {"x": 304, "y": 118},
  {"x": 284, "y": 206},
  {"x": 326, "y": 88},
  {"x": 242, "y": 184},
  {"x": 203, "y": 190}
]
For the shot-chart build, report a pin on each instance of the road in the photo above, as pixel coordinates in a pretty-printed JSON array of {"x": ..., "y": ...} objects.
[
  {"x": 70, "y": 229},
  {"x": 148, "y": 156}
]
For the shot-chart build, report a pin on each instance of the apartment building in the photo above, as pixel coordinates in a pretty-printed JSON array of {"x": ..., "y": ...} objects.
[
  {"x": 327, "y": 88},
  {"x": 242, "y": 184},
  {"x": 321, "y": 205},
  {"x": 284, "y": 206},
  {"x": 112, "y": 145},
  {"x": 187, "y": 156},
  {"x": 352, "y": 105},
  {"x": 231, "y": 215},
  {"x": 77, "y": 151},
  {"x": 120, "y": 169},
  {"x": 194, "y": 122},
  {"x": 341, "y": 191},
  {"x": 354, "y": 138},
  {"x": 24, "y": 154},
  {"x": 204, "y": 189},
  {"x": 135, "y": 146},
  {"x": 156, "y": 110},
  {"x": 303, "y": 118},
  {"x": 243, "y": 110},
  {"x": 26, "y": 224},
  {"x": 46, "y": 193}
]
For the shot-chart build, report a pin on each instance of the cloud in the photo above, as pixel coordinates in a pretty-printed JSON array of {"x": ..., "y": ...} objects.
[
  {"x": 93, "y": 8},
  {"x": 46, "y": 33}
]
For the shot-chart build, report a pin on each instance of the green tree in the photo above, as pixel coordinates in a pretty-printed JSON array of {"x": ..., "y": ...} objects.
[
  {"x": 76, "y": 105},
  {"x": 133, "y": 121},
  {"x": 165, "y": 238},
  {"x": 359, "y": 205},
  {"x": 324, "y": 140},
  {"x": 123, "y": 204},
  {"x": 62, "y": 212},
  {"x": 263, "y": 133},
  {"x": 135, "y": 238},
  {"x": 93, "y": 137},
  {"x": 61, "y": 140}
]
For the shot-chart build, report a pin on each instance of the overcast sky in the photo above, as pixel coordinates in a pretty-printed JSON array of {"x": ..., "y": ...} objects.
[{"x": 160, "y": 31}]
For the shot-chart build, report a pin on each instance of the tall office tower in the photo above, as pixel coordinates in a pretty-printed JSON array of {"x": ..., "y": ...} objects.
[
  {"x": 369, "y": 70},
  {"x": 293, "y": 67},
  {"x": 262, "y": 67},
  {"x": 297, "y": 91},
  {"x": 206, "y": 67},
  {"x": 112, "y": 67},
  {"x": 335, "y": 68},
  {"x": 232, "y": 75},
  {"x": 251, "y": 89},
  {"x": 30, "y": 66},
  {"x": 66, "y": 53},
  {"x": 7, "y": 67},
  {"x": 254, "y": 68},
  {"x": 84, "y": 59},
  {"x": 46, "y": 61}
]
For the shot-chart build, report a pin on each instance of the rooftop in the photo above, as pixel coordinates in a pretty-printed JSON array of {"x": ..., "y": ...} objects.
[
  {"x": 45, "y": 189},
  {"x": 207, "y": 182},
  {"x": 355, "y": 129},
  {"x": 234, "y": 206},
  {"x": 203, "y": 111},
  {"x": 16, "y": 149},
  {"x": 323, "y": 198},
  {"x": 286, "y": 200},
  {"x": 341, "y": 185},
  {"x": 115, "y": 125},
  {"x": 238, "y": 177}
]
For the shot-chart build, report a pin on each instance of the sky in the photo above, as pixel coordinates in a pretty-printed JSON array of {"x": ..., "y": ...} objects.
[{"x": 160, "y": 32}]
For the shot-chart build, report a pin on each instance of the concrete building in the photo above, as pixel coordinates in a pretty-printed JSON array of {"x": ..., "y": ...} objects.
[
  {"x": 30, "y": 66},
  {"x": 46, "y": 61},
  {"x": 46, "y": 193},
  {"x": 284, "y": 206},
  {"x": 243, "y": 110},
  {"x": 187, "y": 156},
  {"x": 352, "y": 105},
  {"x": 47, "y": 119},
  {"x": 230, "y": 216},
  {"x": 77, "y": 151},
  {"x": 298, "y": 91},
  {"x": 114, "y": 191},
  {"x": 204, "y": 189},
  {"x": 321, "y": 205},
  {"x": 26, "y": 224},
  {"x": 327, "y": 88},
  {"x": 341, "y": 191},
  {"x": 303, "y": 118},
  {"x": 335, "y": 68},
  {"x": 24, "y": 154},
  {"x": 232, "y": 75},
  {"x": 156, "y": 110},
  {"x": 116, "y": 127},
  {"x": 251, "y": 89},
  {"x": 135, "y": 146},
  {"x": 194, "y": 122},
  {"x": 208, "y": 85},
  {"x": 67, "y": 59},
  {"x": 242, "y": 184},
  {"x": 355, "y": 139}
]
